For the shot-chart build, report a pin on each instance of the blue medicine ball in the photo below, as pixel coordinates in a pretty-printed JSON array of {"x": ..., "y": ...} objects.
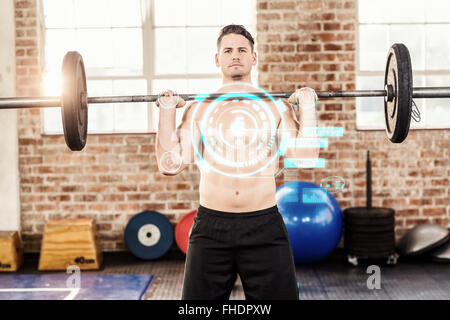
[{"x": 313, "y": 220}]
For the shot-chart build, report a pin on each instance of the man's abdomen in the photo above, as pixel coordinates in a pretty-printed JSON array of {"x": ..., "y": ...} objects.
[{"x": 232, "y": 194}]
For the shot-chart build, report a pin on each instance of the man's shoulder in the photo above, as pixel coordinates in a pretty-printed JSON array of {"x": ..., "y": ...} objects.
[
  {"x": 286, "y": 102},
  {"x": 197, "y": 107},
  {"x": 191, "y": 112},
  {"x": 190, "y": 105}
]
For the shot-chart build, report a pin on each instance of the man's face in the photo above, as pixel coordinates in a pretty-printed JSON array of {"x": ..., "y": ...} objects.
[{"x": 235, "y": 56}]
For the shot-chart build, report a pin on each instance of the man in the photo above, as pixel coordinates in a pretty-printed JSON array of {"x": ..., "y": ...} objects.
[{"x": 237, "y": 229}]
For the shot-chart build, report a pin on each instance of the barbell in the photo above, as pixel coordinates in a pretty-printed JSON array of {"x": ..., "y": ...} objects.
[{"x": 398, "y": 93}]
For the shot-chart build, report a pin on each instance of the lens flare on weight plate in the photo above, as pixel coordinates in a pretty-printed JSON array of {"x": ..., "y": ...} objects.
[{"x": 239, "y": 132}]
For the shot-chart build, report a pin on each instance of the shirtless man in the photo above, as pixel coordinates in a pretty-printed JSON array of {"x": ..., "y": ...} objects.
[{"x": 237, "y": 229}]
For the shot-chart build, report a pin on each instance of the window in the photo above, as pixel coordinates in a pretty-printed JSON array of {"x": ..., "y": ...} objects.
[
  {"x": 185, "y": 35},
  {"x": 108, "y": 34},
  {"x": 133, "y": 47},
  {"x": 422, "y": 25}
]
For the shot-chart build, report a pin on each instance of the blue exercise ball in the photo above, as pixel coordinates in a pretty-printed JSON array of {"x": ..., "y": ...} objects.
[{"x": 313, "y": 220}]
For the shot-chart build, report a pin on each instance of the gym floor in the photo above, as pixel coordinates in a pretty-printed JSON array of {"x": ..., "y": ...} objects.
[{"x": 330, "y": 279}]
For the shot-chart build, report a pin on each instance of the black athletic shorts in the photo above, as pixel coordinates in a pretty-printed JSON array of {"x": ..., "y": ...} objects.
[{"x": 254, "y": 245}]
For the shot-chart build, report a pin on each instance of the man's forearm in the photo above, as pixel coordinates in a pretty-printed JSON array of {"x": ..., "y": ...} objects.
[
  {"x": 307, "y": 119},
  {"x": 167, "y": 138}
]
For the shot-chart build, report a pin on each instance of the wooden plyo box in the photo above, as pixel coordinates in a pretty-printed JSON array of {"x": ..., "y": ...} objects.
[
  {"x": 70, "y": 242},
  {"x": 11, "y": 251}
]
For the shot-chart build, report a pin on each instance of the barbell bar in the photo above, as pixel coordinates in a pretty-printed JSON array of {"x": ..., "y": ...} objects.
[
  {"x": 55, "y": 102},
  {"x": 398, "y": 94}
]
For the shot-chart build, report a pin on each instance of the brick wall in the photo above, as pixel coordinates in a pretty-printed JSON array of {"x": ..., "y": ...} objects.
[
  {"x": 313, "y": 43},
  {"x": 111, "y": 180},
  {"x": 300, "y": 43},
  {"x": 29, "y": 69}
]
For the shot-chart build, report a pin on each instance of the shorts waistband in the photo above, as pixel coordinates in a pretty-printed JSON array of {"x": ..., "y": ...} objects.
[{"x": 224, "y": 214}]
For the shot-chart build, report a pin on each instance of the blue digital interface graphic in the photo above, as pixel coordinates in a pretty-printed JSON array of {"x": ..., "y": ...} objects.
[
  {"x": 314, "y": 195},
  {"x": 303, "y": 163},
  {"x": 323, "y": 131},
  {"x": 261, "y": 113},
  {"x": 333, "y": 184},
  {"x": 308, "y": 143}
]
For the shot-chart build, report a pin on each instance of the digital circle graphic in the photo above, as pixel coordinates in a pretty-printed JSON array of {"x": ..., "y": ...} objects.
[
  {"x": 170, "y": 161},
  {"x": 239, "y": 131},
  {"x": 333, "y": 184}
]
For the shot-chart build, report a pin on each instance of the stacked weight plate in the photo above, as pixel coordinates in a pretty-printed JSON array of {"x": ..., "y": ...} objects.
[{"x": 369, "y": 232}]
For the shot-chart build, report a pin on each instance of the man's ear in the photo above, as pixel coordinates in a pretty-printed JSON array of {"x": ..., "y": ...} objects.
[
  {"x": 255, "y": 58},
  {"x": 216, "y": 57}
]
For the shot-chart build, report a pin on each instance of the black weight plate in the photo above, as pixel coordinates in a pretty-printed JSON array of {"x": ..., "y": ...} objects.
[
  {"x": 384, "y": 252},
  {"x": 373, "y": 255},
  {"x": 373, "y": 212},
  {"x": 379, "y": 239},
  {"x": 398, "y": 75},
  {"x": 369, "y": 229},
  {"x": 149, "y": 235},
  {"x": 357, "y": 252},
  {"x": 354, "y": 217},
  {"x": 379, "y": 222},
  {"x": 369, "y": 245},
  {"x": 373, "y": 235},
  {"x": 369, "y": 222},
  {"x": 383, "y": 249},
  {"x": 369, "y": 242},
  {"x": 369, "y": 237},
  {"x": 74, "y": 101}
]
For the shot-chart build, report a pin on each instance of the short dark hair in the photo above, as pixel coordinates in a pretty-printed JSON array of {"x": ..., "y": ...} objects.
[{"x": 236, "y": 29}]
